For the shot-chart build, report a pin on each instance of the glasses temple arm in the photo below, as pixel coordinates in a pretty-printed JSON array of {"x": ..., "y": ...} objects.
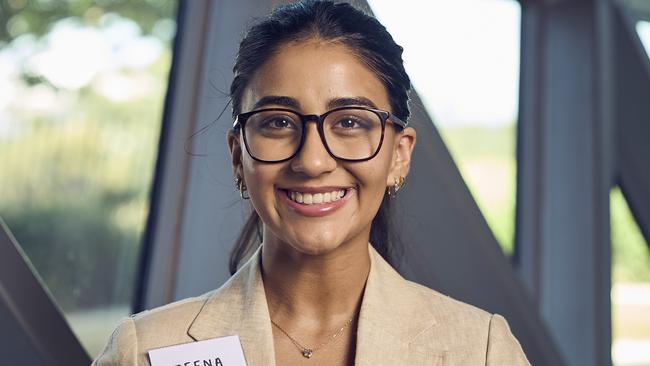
[{"x": 397, "y": 120}]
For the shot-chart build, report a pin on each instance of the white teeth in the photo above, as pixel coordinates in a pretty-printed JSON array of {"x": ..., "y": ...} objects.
[{"x": 316, "y": 198}]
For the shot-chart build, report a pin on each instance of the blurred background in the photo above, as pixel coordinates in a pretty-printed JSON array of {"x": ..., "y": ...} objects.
[
  {"x": 83, "y": 86},
  {"x": 81, "y": 102}
]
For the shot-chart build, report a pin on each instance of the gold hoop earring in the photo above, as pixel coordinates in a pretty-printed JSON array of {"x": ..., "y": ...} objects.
[
  {"x": 392, "y": 190},
  {"x": 241, "y": 187}
]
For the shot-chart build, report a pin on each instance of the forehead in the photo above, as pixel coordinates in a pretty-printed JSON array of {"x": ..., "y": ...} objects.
[{"x": 313, "y": 73}]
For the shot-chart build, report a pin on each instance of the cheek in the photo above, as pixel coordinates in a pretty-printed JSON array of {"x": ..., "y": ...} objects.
[
  {"x": 260, "y": 180},
  {"x": 372, "y": 175},
  {"x": 384, "y": 159},
  {"x": 260, "y": 183}
]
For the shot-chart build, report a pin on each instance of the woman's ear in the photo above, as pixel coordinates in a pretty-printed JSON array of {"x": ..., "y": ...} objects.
[
  {"x": 405, "y": 142},
  {"x": 235, "y": 148}
]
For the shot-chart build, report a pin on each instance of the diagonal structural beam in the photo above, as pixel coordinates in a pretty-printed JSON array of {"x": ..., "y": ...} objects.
[{"x": 33, "y": 331}]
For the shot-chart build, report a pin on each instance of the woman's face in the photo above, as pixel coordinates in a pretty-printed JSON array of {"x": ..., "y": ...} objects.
[{"x": 311, "y": 76}]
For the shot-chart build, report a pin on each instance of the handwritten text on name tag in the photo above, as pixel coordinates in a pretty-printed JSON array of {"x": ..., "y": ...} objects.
[{"x": 225, "y": 351}]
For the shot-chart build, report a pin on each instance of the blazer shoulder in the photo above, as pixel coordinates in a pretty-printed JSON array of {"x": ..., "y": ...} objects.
[
  {"x": 469, "y": 333},
  {"x": 503, "y": 347},
  {"x": 446, "y": 309},
  {"x": 177, "y": 313},
  {"x": 121, "y": 348},
  {"x": 168, "y": 324},
  {"x": 159, "y": 327}
]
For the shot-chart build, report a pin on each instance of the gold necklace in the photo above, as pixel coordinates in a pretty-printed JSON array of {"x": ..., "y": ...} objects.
[{"x": 306, "y": 351}]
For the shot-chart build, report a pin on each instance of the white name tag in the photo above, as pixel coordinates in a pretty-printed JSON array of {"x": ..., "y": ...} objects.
[{"x": 225, "y": 351}]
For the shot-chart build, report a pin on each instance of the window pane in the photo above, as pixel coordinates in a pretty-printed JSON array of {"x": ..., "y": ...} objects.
[
  {"x": 463, "y": 59},
  {"x": 631, "y": 287},
  {"x": 643, "y": 29},
  {"x": 81, "y": 101}
]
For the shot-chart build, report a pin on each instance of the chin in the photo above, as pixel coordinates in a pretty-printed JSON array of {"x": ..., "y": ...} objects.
[
  {"x": 316, "y": 250},
  {"x": 315, "y": 244}
]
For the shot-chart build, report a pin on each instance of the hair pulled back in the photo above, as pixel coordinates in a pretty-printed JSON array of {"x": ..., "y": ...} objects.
[{"x": 364, "y": 36}]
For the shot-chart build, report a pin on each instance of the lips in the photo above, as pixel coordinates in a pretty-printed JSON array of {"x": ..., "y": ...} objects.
[
  {"x": 315, "y": 202},
  {"x": 307, "y": 198}
]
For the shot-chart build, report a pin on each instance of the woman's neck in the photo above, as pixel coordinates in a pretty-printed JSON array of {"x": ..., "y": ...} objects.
[{"x": 324, "y": 290}]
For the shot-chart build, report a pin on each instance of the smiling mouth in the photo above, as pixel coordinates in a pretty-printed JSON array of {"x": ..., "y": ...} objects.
[{"x": 305, "y": 198}]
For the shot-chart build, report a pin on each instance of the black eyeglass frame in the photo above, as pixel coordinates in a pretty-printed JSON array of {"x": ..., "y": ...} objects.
[{"x": 242, "y": 118}]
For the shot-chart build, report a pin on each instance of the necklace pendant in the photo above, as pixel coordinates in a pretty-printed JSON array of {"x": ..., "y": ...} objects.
[{"x": 307, "y": 352}]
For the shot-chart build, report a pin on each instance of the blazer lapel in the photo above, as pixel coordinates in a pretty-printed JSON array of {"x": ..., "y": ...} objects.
[
  {"x": 393, "y": 313},
  {"x": 239, "y": 308}
]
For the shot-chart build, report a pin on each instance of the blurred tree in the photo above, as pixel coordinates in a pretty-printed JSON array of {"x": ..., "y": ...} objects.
[
  {"x": 77, "y": 158},
  {"x": 75, "y": 180},
  {"x": 77, "y": 252},
  {"x": 18, "y": 17}
]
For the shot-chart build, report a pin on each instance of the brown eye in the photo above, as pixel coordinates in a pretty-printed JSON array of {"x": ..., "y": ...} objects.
[
  {"x": 347, "y": 123},
  {"x": 279, "y": 123},
  {"x": 351, "y": 123}
]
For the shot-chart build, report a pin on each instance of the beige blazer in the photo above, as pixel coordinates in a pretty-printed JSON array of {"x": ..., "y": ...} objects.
[{"x": 400, "y": 323}]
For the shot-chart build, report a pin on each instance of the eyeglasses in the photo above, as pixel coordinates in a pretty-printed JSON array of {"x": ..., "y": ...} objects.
[{"x": 274, "y": 135}]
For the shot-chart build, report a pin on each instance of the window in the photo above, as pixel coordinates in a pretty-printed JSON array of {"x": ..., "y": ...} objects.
[
  {"x": 81, "y": 104},
  {"x": 630, "y": 287},
  {"x": 463, "y": 59},
  {"x": 643, "y": 29}
]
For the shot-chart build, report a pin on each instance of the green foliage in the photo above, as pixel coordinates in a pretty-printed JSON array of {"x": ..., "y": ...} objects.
[
  {"x": 630, "y": 251},
  {"x": 19, "y": 17},
  {"x": 75, "y": 191},
  {"x": 77, "y": 252},
  {"x": 486, "y": 159}
]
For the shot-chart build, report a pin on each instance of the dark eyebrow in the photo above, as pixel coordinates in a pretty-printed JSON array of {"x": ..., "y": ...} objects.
[
  {"x": 293, "y": 103},
  {"x": 277, "y": 100},
  {"x": 348, "y": 101}
]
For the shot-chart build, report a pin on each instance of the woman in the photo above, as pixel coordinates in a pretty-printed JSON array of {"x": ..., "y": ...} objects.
[{"x": 320, "y": 145}]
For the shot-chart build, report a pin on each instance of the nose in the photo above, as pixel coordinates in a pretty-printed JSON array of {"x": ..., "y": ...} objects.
[{"x": 313, "y": 159}]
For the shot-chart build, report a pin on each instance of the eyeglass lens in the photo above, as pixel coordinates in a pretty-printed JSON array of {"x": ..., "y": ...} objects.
[{"x": 353, "y": 134}]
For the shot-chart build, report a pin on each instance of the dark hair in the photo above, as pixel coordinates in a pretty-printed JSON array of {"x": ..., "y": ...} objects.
[{"x": 368, "y": 40}]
